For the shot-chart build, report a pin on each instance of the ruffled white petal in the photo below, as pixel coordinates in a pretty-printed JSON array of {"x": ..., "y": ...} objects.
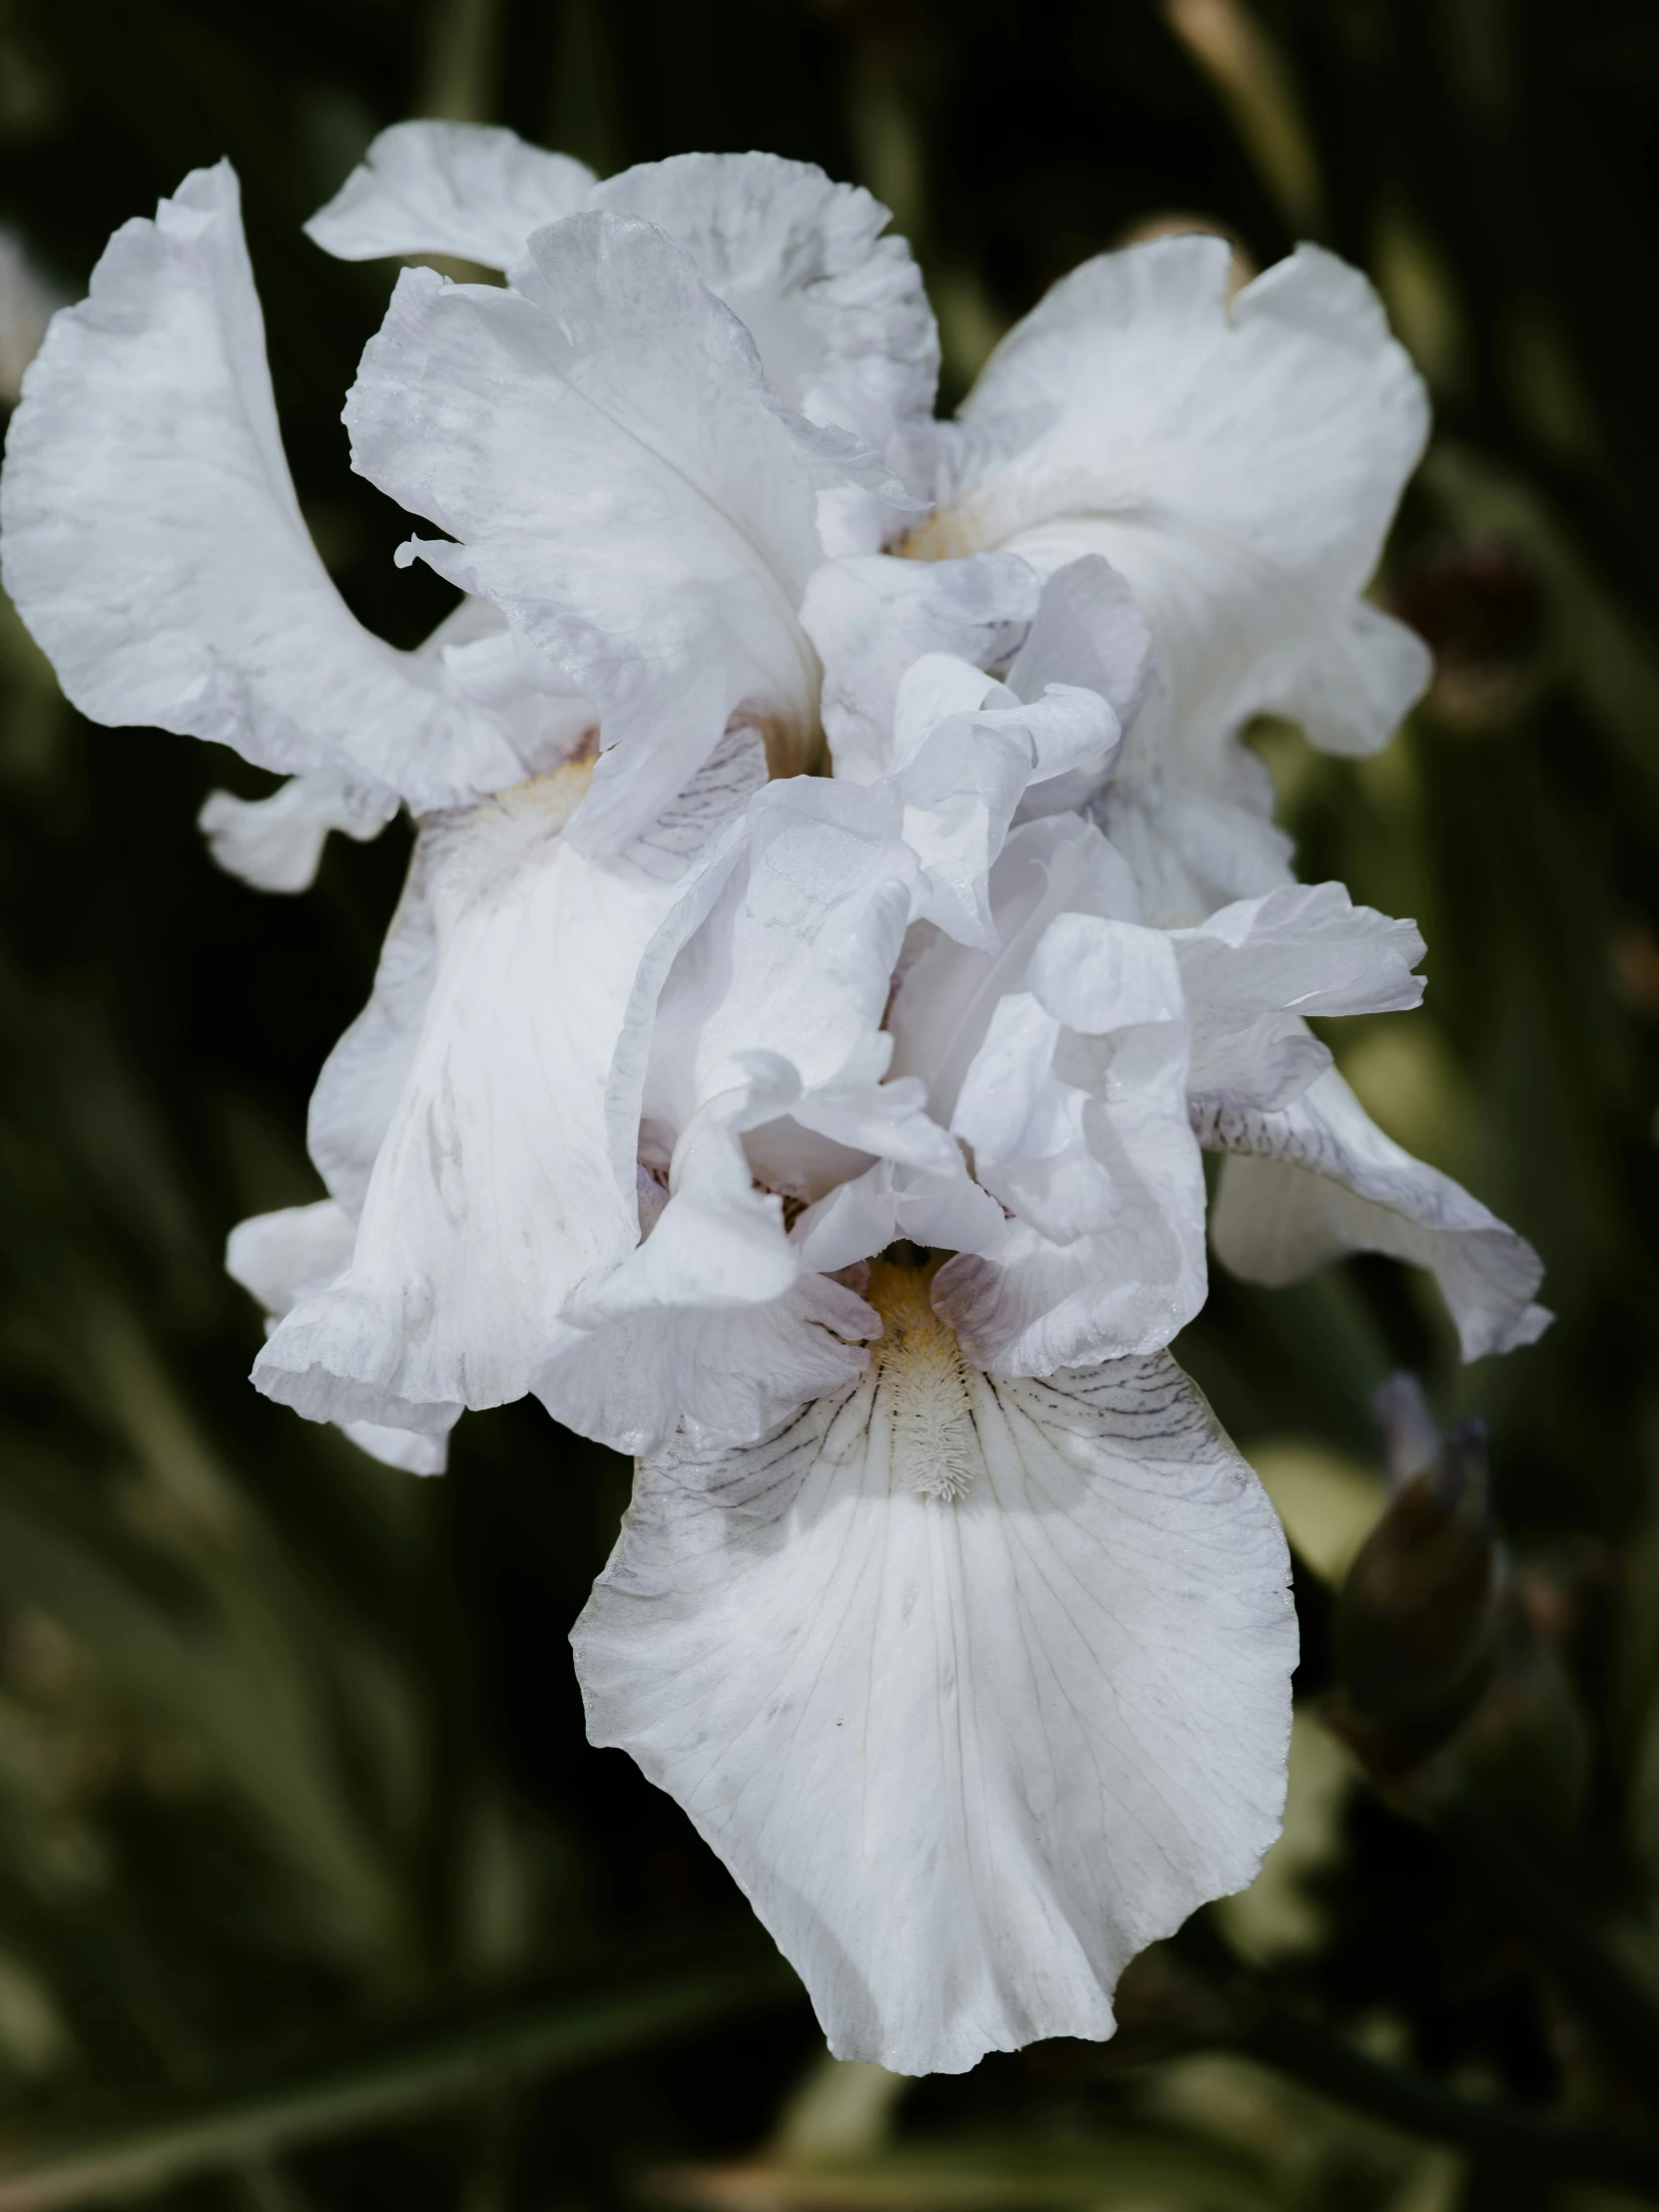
[
  {"x": 1062, "y": 1061},
  {"x": 1028, "y": 1305},
  {"x": 1319, "y": 1179},
  {"x": 403, "y": 1448},
  {"x": 624, "y": 485},
  {"x": 1253, "y": 971},
  {"x": 945, "y": 1212},
  {"x": 630, "y": 1377},
  {"x": 969, "y": 756},
  {"x": 796, "y": 956},
  {"x": 712, "y": 1325},
  {"x": 152, "y": 543},
  {"x": 1238, "y": 465},
  {"x": 873, "y": 615},
  {"x": 1189, "y": 850},
  {"x": 862, "y": 1114},
  {"x": 276, "y": 1256},
  {"x": 502, "y": 673},
  {"x": 947, "y": 993},
  {"x": 362, "y": 1081},
  {"x": 275, "y": 843},
  {"x": 469, "y": 189},
  {"x": 505, "y": 1177},
  {"x": 976, "y": 1687},
  {"x": 1046, "y": 1113},
  {"x": 838, "y": 312},
  {"x": 1075, "y": 1108},
  {"x": 1089, "y": 631},
  {"x": 765, "y": 1081},
  {"x": 283, "y": 1257}
]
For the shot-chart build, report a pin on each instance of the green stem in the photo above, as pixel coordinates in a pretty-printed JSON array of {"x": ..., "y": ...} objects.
[
  {"x": 1312, "y": 2055},
  {"x": 461, "y": 2069},
  {"x": 1622, "y": 2014}
]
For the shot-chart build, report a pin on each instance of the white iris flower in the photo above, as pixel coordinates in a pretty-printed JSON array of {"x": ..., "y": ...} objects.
[{"x": 843, "y": 909}]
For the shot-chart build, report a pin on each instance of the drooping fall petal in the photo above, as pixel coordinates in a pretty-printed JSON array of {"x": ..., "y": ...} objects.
[
  {"x": 976, "y": 1687},
  {"x": 1319, "y": 1179},
  {"x": 153, "y": 545},
  {"x": 505, "y": 1175}
]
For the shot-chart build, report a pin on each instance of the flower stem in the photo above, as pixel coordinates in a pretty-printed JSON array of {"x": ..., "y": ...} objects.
[{"x": 461, "y": 2069}]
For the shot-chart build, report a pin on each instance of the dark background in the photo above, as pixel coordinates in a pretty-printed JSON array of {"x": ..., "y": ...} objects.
[{"x": 294, "y": 1791}]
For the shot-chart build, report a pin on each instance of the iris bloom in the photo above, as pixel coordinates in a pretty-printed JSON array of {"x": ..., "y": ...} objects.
[{"x": 843, "y": 909}]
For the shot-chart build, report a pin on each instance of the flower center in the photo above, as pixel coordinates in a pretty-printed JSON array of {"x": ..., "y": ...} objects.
[
  {"x": 921, "y": 1384},
  {"x": 479, "y": 852},
  {"x": 945, "y": 536},
  {"x": 546, "y": 803},
  {"x": 794, "y": 744}
]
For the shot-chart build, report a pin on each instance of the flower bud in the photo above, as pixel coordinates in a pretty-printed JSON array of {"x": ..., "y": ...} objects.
[
  {"x": 1415, "y": 1629},
  {"x": 1526, "y": 1751}
]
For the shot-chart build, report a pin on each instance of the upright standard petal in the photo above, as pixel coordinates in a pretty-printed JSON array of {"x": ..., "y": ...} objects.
[
  {"x": 152, "y": 543},
  {"x": 836, "y": 311},
  {"x": 469, "y": 189},
  {"x": 1238, "y": 465},
  {"x": 1319, "y": 1179},
  {"x": 976, "y": 1687},
  {"x": 506, "y": 1177},
  {"x": 624, "y": 485}
]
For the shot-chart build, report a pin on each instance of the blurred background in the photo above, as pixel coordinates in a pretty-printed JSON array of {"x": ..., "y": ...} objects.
[{"x": 312, "y": 1894}]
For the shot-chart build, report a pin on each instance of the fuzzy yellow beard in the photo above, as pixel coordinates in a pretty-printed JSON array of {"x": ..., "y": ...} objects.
[{"x": 921, "y": 1383}]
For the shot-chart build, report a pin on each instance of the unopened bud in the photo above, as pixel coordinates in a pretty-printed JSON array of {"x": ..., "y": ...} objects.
[
  {"x": 1410, "y": 1434},
  {"x": 1528, "y": 1749},
  {"x": 1415, "y": 1627}
]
